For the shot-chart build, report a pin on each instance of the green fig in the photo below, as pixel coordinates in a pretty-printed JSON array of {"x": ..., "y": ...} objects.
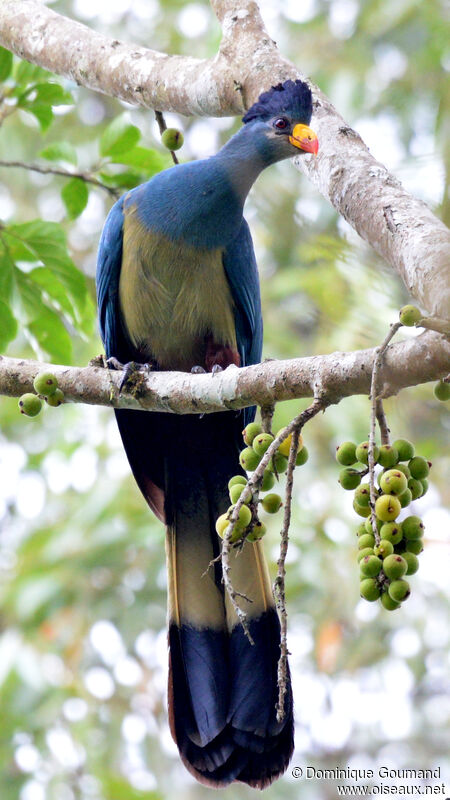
[
  {"x": 272, "y": 503},
  {"x": 404, "y": 448},
  {"x": 409, "y": 315},
  {"x": 45, "y": 383},
  {"x": 442, "y": 391},
  {"x": 30, "y": 404},
  {"x": 262, "y": 442},
  {"x": 369, "y": 589},
  {"x": 346, "y": 454},
  {"x": 172, "y": 138},
  {"x": 387, "y": 507},
  {"x": 250, "y": 431}
]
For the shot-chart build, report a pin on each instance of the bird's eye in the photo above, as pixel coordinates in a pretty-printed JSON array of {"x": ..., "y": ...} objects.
[{"x": 281, "y": 124}]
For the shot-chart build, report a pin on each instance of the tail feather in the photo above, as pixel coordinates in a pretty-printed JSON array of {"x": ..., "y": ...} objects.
[{"x": 222, "y": 690}]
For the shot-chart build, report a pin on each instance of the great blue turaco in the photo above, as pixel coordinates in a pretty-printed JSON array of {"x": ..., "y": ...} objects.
[{"x": 178, "y": 288}]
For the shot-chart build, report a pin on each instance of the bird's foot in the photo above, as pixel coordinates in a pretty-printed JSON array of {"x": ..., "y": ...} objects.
[
  {"x": 134, "y": 374},
  {"x": 216, "y": 369},
  {"x": 198, "y": 370}
]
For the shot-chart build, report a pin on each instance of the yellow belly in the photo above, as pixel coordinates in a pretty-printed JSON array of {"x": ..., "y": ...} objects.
[{"x": 172, "y": 296}]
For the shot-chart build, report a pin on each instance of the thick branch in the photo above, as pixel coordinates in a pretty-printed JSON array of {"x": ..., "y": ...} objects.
[
  {"x": 401, "y": 228},
  {"x": 335, "y": 376}
]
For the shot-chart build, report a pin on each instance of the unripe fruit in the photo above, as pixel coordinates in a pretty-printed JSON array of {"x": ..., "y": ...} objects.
[
  {"x": 412, "y": 562},
  {"x": 405, "y": 498},
  {"x": 366, "y": 551},
  {"x": 56, "y": 399},
  {"x": 362, "y": 453},
  {"x": 285, "y": 446},
  {"x": 404, "y": 448},
  {"x": 388, "y": 456},
  {"x": 387, "y": 508},
  {"x": 272, "y": 503},
  {"x": 362, "y": 494},
  {"x": 425, "y": 485},
  {"x": 268, "y": 480},
  {"x": 349, "y": 478},
  {"x": 250, "y": 431},
  {"x": 388, "y": 603},
  {"x": 278, "y": 463},
  {"x": 236, "y": 480},
  {"x": 222, "y": 523},
  {"x": 236, "y": 491},
  {"x": 392, "y": 531},
  {"x": 393, "y": 482},
  {"x": 370, "y": 566},
  {"x": 302, "y": 457},
  {"x": 248, "y": 459},
  {"x": 244, "y": 518},
  {"x": 413, "y": 528},
  {"x": 384, "y": 549},
  {"x": 366, "y": 540},
  {"x": 362, "y": 511},
  {"x": 419, "y": 467},
  {"x": 394, "y": 566},
  {"x": 30, "y": 404},
  {"x": 172, "y": 138},
  {"x": 442, "y": 391},
  {"x": 405, "y": 469},
  {"x": 261, "y": 443},
  {"x": 414, "y": 546},
  {"x": 45, "y": 383},
  {"x": 399, "y": 590},
  {"x": 369, "y": 589},
  {"x": 346, "y": 454},
  {"x": 409, "y": 315},
  {"x": 257, "y": 532},
  {"x": 416, "y": 488}
]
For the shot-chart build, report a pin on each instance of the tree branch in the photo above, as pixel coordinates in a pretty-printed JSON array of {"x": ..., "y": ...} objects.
[
  {"x": 401, "y": 228},
  {"x": 335, "y": 376},
  {"x": 64, "y": 173}
]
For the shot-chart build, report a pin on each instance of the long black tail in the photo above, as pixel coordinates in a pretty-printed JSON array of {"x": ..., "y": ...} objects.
[{"x": 222, "y": 689}]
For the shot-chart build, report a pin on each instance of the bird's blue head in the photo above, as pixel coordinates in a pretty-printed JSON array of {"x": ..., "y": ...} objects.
[{"x": 285, "y": 112}]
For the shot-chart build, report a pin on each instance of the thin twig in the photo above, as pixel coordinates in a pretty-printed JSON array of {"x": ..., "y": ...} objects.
[
  {"x": 162, "y": 127},
  {"x": 382, "y": 421},
  {"x": 64, "y": 173},
  {"x": 267, "y": 413},
  {"x": 379, "y": 353},
  {"x": 279, "y": 588}
]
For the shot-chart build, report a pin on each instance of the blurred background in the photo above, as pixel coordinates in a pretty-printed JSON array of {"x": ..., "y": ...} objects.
[{"x": 83, "y": 656}]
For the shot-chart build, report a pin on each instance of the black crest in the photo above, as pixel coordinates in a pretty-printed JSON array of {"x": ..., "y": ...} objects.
[{"x": 291, "y": 97}]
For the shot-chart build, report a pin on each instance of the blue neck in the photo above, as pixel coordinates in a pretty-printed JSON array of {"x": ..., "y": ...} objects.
[{"x": 245, "y": 155}]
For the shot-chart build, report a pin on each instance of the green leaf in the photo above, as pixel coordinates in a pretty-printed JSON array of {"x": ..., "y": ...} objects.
[
  {"x": 52, "y": 94},
  {"x": 28, "y": 298},
  {"x": 43, "y": 114},
  {"x": 55, "y": 290},
  {"x": 121, "y": 180},
  {"x": 6, "y": 275},
  {"x": 118, "y": 137},
  {"x": 60, "y": 151},
  {"x": 47, "y": 242},
  {"x": 52, "y": 336},
  {"x": 6, "y": 62},
  {"x": 149, "y": 161},
  {"x": 25, "y": 72},
  {"x": 75, "y": 195},
  {"x": 8, "y": 325}
]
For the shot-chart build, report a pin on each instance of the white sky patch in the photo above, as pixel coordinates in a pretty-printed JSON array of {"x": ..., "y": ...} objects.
[
  {"x": 342, "y": 18},
  {"x": 57, "y": 472},
  {"x": 405, "y": 642},
  {"x": 50, "y": 205},
  {"x": 32, "y": 790},
  {"x": 27, "y": 757},
  {"x": 75, "y": 709},
  {"x": 12, "y": 461},
  {"x": 110, "y": 11},
  {"x": 331, "y": 730},
  {"x": 202, "y": 139},
  {"x": 336, "y": 529},
  {"x": 390, "y": 62},
  {"x": 91, "y": 111},
  {"x": 99, "y": 683},
  {"x": 69, "y": 754},
  {"x": 299, "y": 11},
  {"x": 134, "y": 729},
  {"x": 30, "y": 498},
  {"x": 83, "y": 468},
  {"x": 382, "y": 137},
  {"x": 107, "y": 641},
  {"x": 7, "y": 204},
  {"x": 128, "y": 672},
  {"x": 193, "y": 20}
]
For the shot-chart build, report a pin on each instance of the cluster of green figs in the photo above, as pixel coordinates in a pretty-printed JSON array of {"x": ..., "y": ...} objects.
[
  {"x": 387, "y": 547},
  {"x": 46, "y": 387},
  {"x": 248, "y": 525}
]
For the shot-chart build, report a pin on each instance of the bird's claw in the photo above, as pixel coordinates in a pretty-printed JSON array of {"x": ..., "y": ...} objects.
[
  {"x": 198, "y": 370},
  {"x": 216, "y": 369},
  {"x": 133, "y": 373}
]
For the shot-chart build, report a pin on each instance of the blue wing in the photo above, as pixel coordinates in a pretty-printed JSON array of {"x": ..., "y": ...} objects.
[
  {"x": 242, "y": 274},
  {"x": 109, "y": 262}
]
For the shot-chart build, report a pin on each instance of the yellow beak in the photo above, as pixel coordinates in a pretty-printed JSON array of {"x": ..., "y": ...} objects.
[{"x": 305, "y": 139}]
